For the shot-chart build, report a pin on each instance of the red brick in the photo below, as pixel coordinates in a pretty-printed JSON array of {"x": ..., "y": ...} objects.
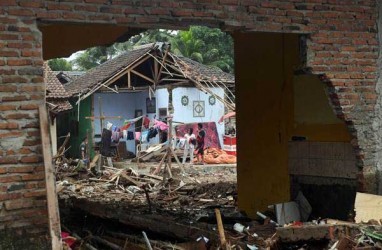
[
  {"x": 21, "y": 169},
  {"x": 18, "y": 62},
  {"x": 14, "y": 79},
  {"x": 9, "y": 125},
  {"x": 14, "y": 98},
  {"x": 29, "y": 106},
  {"x": 33, "y": 4},
  {"x": 17, "y": 116},
  {"x": 31, "y": 88},
  {"x": 38, "y": 193},
  {"x": 18, "y": 204},
  {"x": 30, "y": 159},
  {"x": 11, "y": 134},
  {"x": 30, "y": 177},
  {"x": 8, "y": 107},
  {"x": 21, "y": 12},
  {"x": 9, "y": 178}
]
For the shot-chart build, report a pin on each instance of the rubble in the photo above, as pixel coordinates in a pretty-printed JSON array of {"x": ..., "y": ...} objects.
[{"x": 180, "y": 212}]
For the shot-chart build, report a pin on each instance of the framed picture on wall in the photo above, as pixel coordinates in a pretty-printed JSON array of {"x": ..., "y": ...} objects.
[
  {"x": 199, "y": 109},
  {"x": 150, "y": 105}
]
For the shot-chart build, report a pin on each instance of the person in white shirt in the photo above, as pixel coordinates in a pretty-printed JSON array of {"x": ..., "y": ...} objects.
[{"x": 189, "y": 145}]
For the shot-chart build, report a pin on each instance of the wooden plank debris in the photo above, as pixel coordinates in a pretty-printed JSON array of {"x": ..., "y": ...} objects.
[{"x": 50, "y": 182}]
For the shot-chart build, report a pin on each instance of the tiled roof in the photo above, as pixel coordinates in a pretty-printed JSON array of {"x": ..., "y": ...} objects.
[
  {"x": 55, "y": 92},
  {"x": 201, "y": 72},
  {"x": 106, "y": 70},
  {"x": 57, "y": 105},
  {"x": 98, "y": 75}
]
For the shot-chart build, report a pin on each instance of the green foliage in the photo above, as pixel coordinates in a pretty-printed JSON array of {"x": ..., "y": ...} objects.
[
  {"x": 208, "y": 46},
  {"x": 60, "y": 64}
]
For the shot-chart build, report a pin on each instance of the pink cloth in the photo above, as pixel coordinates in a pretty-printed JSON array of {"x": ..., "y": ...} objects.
[
  {"x": 161, "y": 125},
  {"x": 137, "y": 136}
]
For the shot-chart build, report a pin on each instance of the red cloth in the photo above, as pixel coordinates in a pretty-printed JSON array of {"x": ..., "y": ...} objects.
[
  {"x": 125, "y": 127},
  {"x": 70, "y": 242},
  {"x": 146, "y": 122}
]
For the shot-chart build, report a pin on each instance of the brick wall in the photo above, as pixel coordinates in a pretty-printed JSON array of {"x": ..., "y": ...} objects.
[{"x": 342, "y": 48}]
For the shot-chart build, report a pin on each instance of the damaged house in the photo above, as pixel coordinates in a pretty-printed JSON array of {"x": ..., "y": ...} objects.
[
  {"x": 307, "y": 87},
  {"x": 137, "y": 83}
]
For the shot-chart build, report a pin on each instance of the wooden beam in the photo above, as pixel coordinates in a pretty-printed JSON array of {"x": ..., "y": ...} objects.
[
  {"x": 113, "y": 78},
  {"x": 128, "y": 79},
  {"x": 50, "y": 182},
  {"x": 143, "y": 76}
]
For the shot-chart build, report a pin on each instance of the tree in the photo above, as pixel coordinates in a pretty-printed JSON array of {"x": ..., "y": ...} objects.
[
  {"x": 208, "y": 46},
  {"x": 60, "y": 64}
]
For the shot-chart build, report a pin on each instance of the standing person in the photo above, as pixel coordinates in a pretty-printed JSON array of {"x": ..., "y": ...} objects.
[
  {"x": 83, "y": 150},
  {"x": 189, "y": 145},
  {"x": 200, "y": 144}
]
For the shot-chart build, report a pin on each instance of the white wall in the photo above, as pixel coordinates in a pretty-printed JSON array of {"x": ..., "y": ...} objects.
[
  {"x": 185, "y": 113},
  {"x": 125, "y": 104},
  {"x": 122, "y": 104}
]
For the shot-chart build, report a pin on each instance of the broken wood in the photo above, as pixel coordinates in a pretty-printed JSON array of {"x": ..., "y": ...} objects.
[
  {"x": 106, "y": 243},
  {"x": 223, "y": 241},
  {"x": 50, "y": 182},
  {"x": 94, "y": 161},
  {"x": 62, "y": 150}
]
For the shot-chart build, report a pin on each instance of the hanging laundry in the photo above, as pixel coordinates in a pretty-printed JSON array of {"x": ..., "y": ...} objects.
[
  {"x": 130, "y": 135},
  {"x": 124, "y": 133},
  {"x": 144, "y": 136},
  {"x": 125, "y": 126},
  {"x": 151, "y": 133},
  {"x": 115, "y": 136},
  {"x": 161, "y": 125},
  {"x": 137, "y": 136},
  {"x": 146, "y": 122}
]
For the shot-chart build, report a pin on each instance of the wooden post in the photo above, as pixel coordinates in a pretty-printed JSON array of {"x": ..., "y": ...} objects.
[
  {"x": 170, "y": 114},
  {"x": 50, "y": 182},
  {"x": 100, "y": 113}
]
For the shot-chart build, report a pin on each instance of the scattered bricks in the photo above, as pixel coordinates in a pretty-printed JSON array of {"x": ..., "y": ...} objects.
[{"x": 18, "y": 204}]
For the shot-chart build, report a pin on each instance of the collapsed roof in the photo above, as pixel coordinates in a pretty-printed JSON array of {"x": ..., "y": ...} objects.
[
  {"x": 149, "y": 66},
  {"x": 56, "y": 96}
]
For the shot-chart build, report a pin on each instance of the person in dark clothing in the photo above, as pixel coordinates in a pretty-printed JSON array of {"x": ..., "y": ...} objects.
[
  {"x": 200, "y": 144},
  {"x": 106, "y": 142},
  {"x": 83, "y": 148}
]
